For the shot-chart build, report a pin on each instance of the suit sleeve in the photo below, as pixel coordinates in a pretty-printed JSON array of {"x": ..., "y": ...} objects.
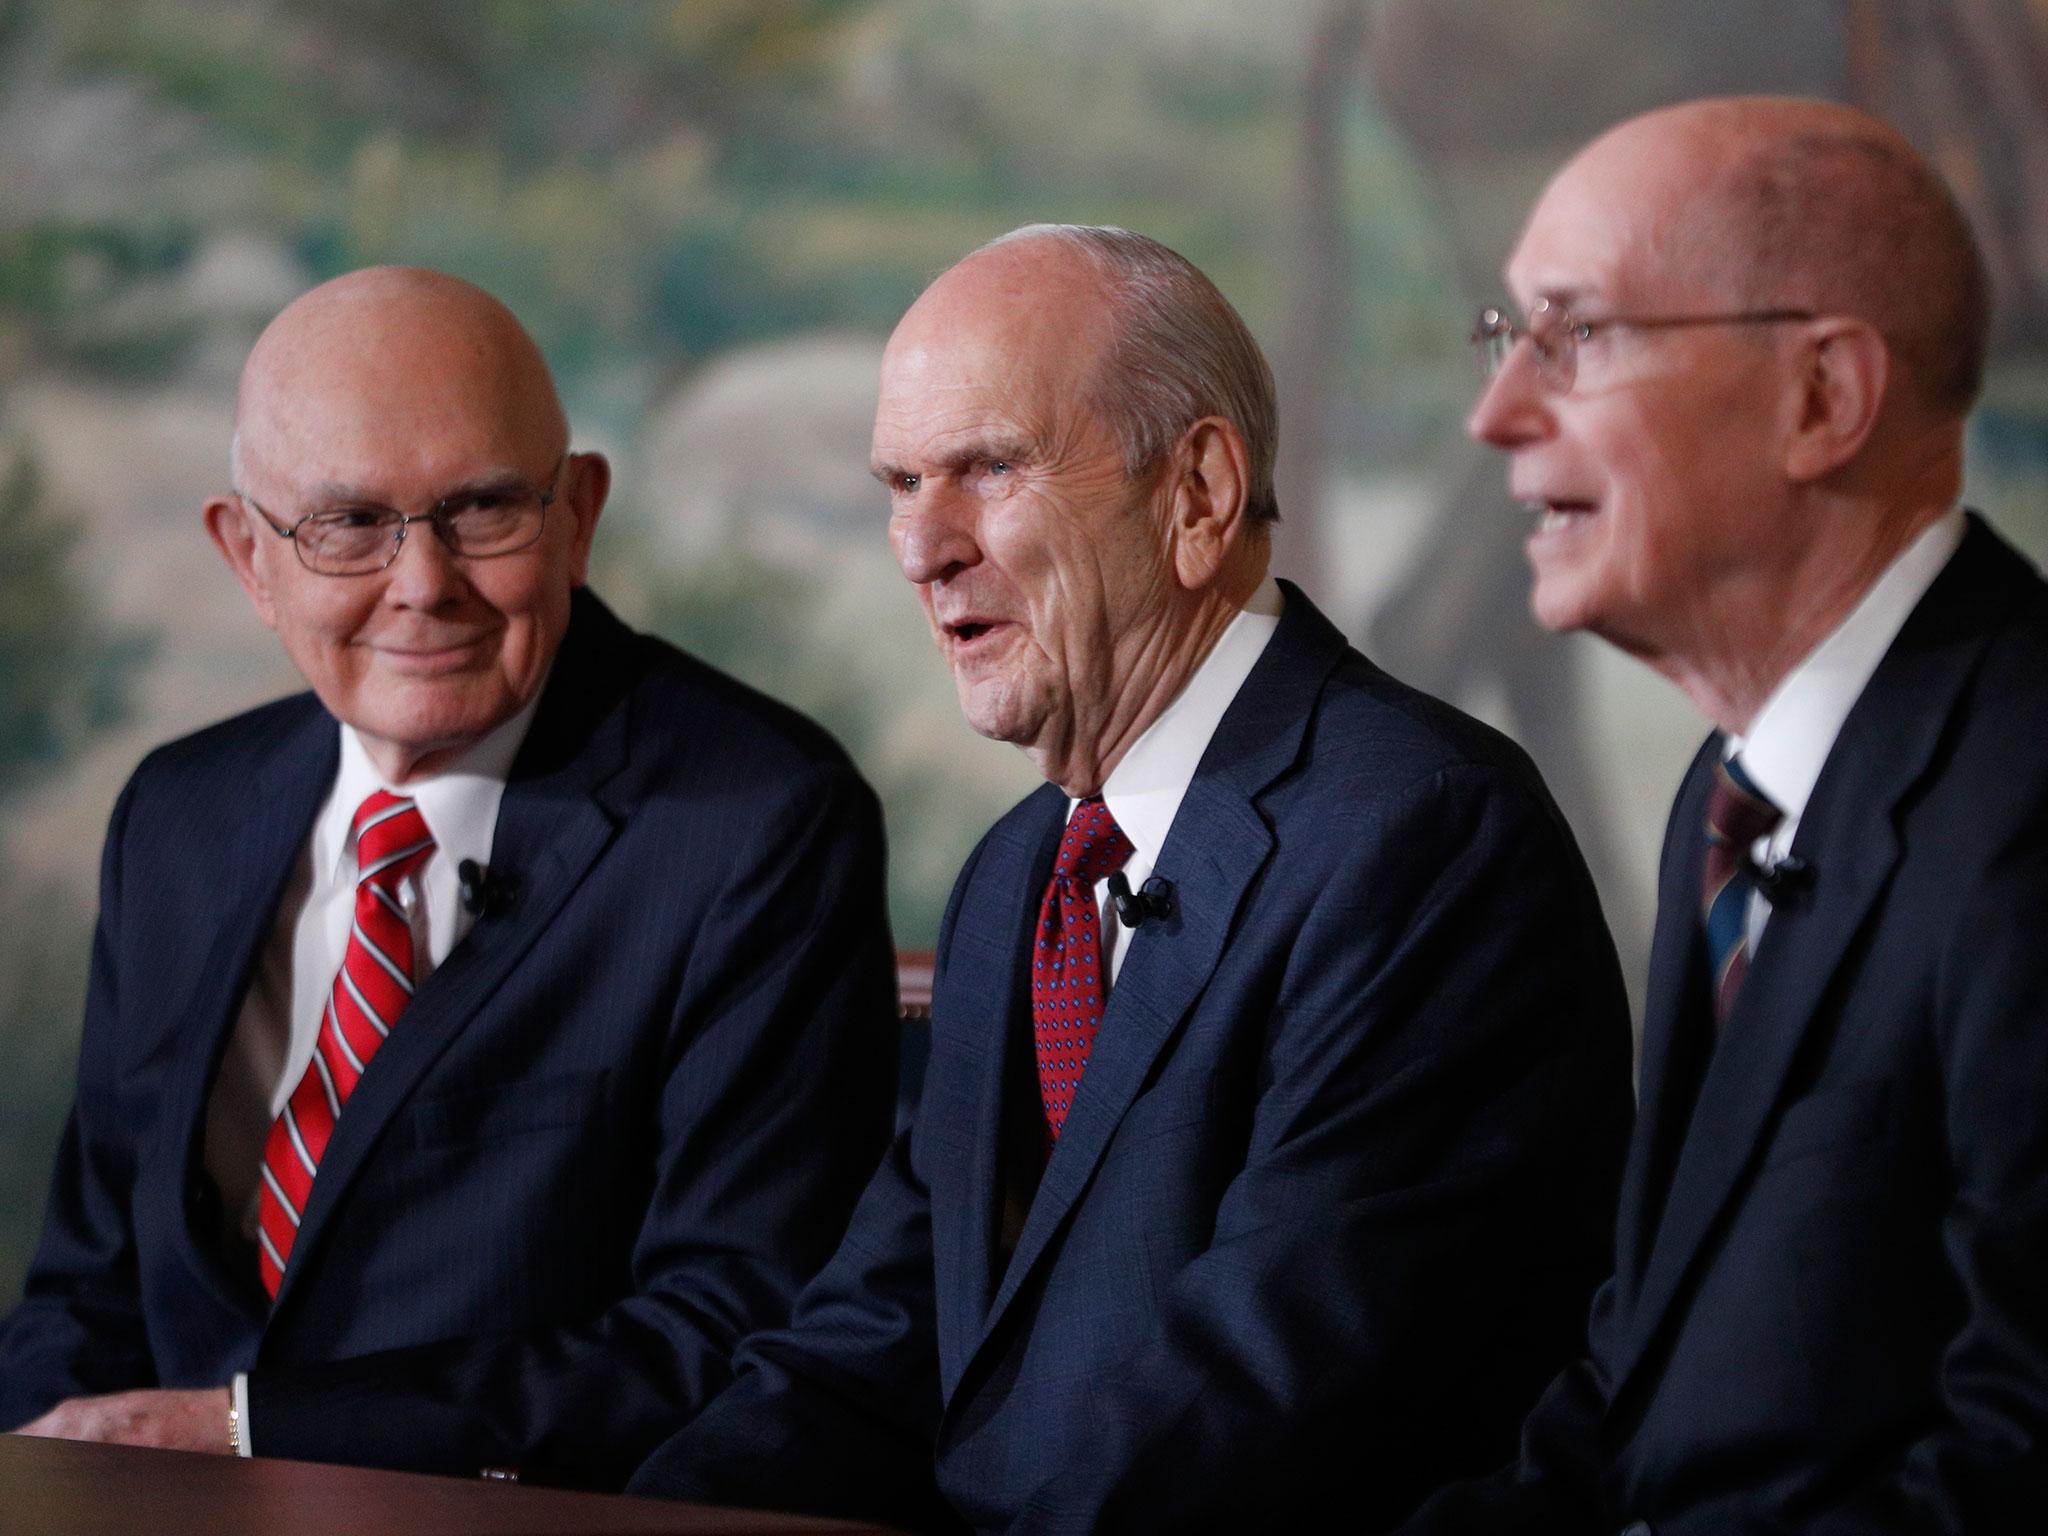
[
  {"x": 1552, "y": 1489},
  {"x": 1444, "y": 1097},
  {"x": 79, "y": 1329},
  {"x": 1983, "y": 1465},
  {"x": 772, "y": 1110},
  {"x": 837, "y": 1413}
]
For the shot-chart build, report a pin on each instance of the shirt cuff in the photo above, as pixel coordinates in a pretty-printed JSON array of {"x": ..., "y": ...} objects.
[{"x": 241, "y": 1391}]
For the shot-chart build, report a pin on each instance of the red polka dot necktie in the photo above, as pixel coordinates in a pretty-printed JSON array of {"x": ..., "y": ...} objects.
[
  {"x": 1737, "y": 815},
  {"x": 370, "y": 990},
  {"x": 1068, "y": 978}
]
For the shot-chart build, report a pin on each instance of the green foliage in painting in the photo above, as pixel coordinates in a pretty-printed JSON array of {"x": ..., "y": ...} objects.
[
  {"x": 45, "y": 941},
  {"x": 63, "y": 674}
]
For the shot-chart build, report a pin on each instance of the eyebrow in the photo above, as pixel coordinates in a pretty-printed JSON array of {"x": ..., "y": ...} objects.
[{"x": 1011, "y": 449}]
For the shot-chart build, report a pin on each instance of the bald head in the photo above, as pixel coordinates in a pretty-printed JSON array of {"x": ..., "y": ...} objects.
[
  {"x": 1034, "y": 310},
  {"x": 1174, "y": 349},
  {"x": 402, "y": 405},
  {"x": 1078, "y": 522},
  {"x": 1777, "y": 202},
  {"x": 360, "y": 366},
  {"x": 1756, "y": 325}
]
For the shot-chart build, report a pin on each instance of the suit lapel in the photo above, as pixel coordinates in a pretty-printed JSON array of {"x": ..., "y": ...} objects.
[
  {"x": 1671, "y": 1023},
  {"x": 552, "y": 825},
  {"x": 287, "y": 789},
  {"x": 981, "y": 1001},
  {"x": 1849, "y": 837},
  {"x": 1216, "y": 847}
]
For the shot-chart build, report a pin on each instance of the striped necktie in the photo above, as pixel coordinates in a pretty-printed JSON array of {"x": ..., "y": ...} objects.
[
  {"x": 370, "y": 990},
  {"x": 1068, "y": 980},
  {"x": 1737, "y": 815}
]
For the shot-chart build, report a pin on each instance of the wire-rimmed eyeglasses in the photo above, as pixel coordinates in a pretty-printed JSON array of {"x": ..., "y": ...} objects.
[
  {"x": 480, "y": 521},
  {"x": 1554, "y": 334}
]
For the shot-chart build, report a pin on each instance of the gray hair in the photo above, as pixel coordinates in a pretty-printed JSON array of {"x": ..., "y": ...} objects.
[{"x": 1180, "y": 353}]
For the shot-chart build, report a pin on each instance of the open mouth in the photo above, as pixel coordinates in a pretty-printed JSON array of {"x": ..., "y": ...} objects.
[
  {"x": 1552, "y": 515},
  {"x": 966, "y": 632}
]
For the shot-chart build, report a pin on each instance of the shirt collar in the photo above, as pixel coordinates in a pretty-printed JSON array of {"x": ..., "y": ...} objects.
[
  {"x": 1789, "y": 741},
  {"x": 1145, "y": 791},
  {"x": 458, "y": 804}
]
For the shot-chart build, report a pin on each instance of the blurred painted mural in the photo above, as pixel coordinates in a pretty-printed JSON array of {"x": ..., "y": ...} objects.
[{"x": 711, "y": 211}]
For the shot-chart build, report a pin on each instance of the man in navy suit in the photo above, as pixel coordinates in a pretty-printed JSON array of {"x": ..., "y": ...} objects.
[
  {"x": 480, "y": 1045},
  {"x": 1753, "y": 330},
  {"x": 1279, "y": 1078}
]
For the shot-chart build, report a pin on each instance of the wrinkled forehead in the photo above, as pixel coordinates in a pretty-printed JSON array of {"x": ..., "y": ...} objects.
[
  {"x": 1025, "y": 353},
  {"x": 1036, "y": 308}
]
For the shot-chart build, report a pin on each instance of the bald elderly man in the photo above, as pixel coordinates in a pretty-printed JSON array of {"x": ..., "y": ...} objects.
[
  {"x": 1279, "y": 1079},
  {"x": 480, "y": 1044},
  {"x": 1752, "y": 329}
]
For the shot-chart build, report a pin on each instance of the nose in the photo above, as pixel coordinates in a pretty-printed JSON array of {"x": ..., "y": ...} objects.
[
  {"x": 932, "y": 536},
  {"x": 1514, "y": 408},
  {"x": 426, "y": 573}
]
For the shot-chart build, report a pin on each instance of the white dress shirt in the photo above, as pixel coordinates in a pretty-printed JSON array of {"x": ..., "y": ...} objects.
[
  {"x": 1789, "y": 740},
  {"x": 1145, "y": 790},
  {"x": 274, "y": 1035}
]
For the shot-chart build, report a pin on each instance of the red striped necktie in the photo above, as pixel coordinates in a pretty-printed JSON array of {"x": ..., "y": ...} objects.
[
  {"x": 1068, "y": 979},
  {"x": 370, "y": 990}
]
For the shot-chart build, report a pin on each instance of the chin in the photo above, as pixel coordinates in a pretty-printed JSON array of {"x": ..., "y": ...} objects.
[
  {"x": 1553, "y": 614},
  {"x": 447, "y": 719},
  {"x": 998, "y": 727},
  {"x": 432, "y": 732},
  {"x": 1565, "y": 601},
  {"x": 996, "y": 711}
]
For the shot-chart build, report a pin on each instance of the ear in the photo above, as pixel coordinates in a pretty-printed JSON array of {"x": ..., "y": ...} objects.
[
  {"x": 235, "y": 535},
  {"x": 586, "y": 481},
  {"x": 1210, "y": 484},
  {"x": 1838, "y": 394}
]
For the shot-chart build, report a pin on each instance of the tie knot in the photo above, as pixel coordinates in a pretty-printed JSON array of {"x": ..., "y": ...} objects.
[
  {"x": 391, "y": 838},
  {"x": 1094, "y": 846},
  {"x": 1737, "y": 811}
]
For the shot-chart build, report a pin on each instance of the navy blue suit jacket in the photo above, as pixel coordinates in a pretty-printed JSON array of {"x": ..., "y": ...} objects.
[
  {"x": 1336, "y": 1186},
  {"x": 614, "y": 1132},
  {"x": 1830, "y": 1307}
]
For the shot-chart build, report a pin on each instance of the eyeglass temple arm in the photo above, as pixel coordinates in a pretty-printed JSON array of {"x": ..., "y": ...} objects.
[{"x": 268, "y": 521}]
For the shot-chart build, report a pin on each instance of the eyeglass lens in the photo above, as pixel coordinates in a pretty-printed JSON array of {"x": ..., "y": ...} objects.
[
  {"x": 366, "y": 538},
  {"x": 1550, "y": 335}
]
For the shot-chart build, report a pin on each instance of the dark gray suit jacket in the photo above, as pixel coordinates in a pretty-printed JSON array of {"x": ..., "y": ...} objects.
[
  {"x": 613, "y": 1133},
  {"x": 1830, "y": 1306}
]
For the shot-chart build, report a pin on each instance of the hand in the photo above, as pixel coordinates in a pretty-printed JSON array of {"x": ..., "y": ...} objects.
[{"x": 171, "y": 1421}]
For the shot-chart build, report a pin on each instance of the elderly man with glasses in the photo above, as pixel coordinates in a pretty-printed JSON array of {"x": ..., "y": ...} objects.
[
  {"x": 479, "y": 1045},
  {"x": 1754, "y": 329}
]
